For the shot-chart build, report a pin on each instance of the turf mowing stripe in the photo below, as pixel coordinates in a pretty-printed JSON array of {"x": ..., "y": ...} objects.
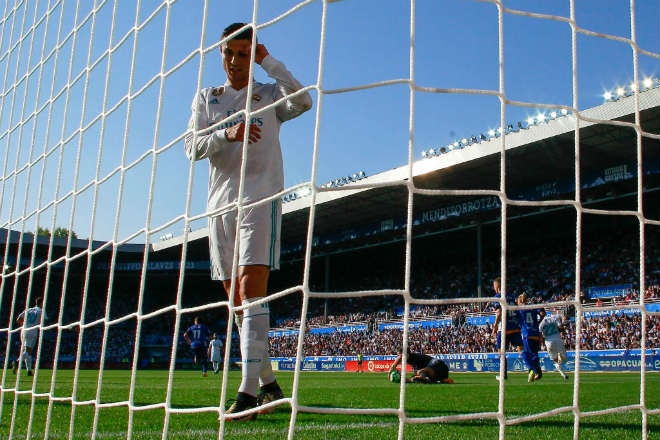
[{"x": 196, "y": 433}]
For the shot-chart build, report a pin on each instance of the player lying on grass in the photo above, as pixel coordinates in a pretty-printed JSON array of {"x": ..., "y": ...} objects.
[
  {"x": 426, "y": 369},
  {"x": 531, "y": 338},
  {"x": 551, "y": 327}
]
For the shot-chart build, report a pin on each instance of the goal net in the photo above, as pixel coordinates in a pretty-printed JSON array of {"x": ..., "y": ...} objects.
[{"x": 94, "y": 103}]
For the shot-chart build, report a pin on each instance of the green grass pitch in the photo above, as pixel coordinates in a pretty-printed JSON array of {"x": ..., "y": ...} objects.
[{"x": 471, "y": 393}]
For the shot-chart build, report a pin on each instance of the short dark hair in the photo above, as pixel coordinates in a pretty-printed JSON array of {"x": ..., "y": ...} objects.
[
  {"x": 498, "y": 280},
  {"x": 244, "y": 35}
]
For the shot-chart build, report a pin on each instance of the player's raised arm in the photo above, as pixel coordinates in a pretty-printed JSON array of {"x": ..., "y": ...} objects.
[
  {"x": 286, "y": 85},
  {"x": 185, "y": 336}
]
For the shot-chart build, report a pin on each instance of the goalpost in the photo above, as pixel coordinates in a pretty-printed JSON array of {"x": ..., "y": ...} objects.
[{"x": 48, "y": 64}]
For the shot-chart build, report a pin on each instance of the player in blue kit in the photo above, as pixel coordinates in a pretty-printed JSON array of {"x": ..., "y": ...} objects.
[
  {"x": 512, "y": 324},
  {"x": 531, "y": 338},
  {"x": 196, "y": 336}
]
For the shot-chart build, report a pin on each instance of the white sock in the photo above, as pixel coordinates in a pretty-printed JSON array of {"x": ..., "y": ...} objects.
[
  {"x": 254, "y": 332},
  {"x": 28, "y": 361},
  {"x": 266, "y": 375},
  {"x": 238, "y": 319}
]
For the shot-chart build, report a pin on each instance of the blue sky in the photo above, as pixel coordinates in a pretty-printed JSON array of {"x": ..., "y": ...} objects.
[{"x": 456, "y": 47}]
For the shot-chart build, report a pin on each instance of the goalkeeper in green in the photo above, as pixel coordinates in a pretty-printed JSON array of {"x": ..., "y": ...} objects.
[{"x": 427, "y": 369}]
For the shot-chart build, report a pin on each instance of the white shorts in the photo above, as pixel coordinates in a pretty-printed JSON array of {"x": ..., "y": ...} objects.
[
  {"x": 29, "y": 338},
  {"x": 555, "y": 347},
  {"x": 259, "y": 239}
]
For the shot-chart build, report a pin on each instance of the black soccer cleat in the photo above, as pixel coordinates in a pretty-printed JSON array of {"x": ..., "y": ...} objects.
[
  {"x": 243, "y": 402},
  {"x": 269, "y": 393}
]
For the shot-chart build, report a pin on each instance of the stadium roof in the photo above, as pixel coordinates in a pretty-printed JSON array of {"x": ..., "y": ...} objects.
[{"x": 535, "y": 155}]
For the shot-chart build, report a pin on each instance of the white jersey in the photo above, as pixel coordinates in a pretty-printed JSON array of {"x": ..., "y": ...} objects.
[
  {"x": 549, "y": 327},
  {"x": 216, "y": 349},
  {"x": 264, "y": 174},
  {"x": 31, "y": 317}
]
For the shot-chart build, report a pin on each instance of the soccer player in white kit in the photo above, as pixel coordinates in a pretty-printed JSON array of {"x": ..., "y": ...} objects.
[
  {"x": 215, "y": 352},
  {"x": 30, "y": 320},
  {"x": 550, "y": 326},
  {"x": 216, "y": 133}
]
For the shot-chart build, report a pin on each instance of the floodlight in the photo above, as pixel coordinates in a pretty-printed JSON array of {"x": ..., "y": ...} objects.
[
  {"x": 540, "y": 117},
  {"x": 564, "y": 111},
  {"x": 647, "y": 83},
  {"x": 553, "y": 115},
  {"x": 464, "y": 141},
  {"x": 633, "y": 87},
  {"x": 491, "y": 132},
  {"x": 355, "y": 176},
  {"x": 432, "y": 152},
  {"x": 499, "y": 130},
  {"x": 423, "y": 155},
  {"x": 620, "y": 91},
  {"x": 530, "y": 121},
  {"x": 456, "y": 144},
  {"x": 607, "y": 96},
  {"x": 450, "y": 147}
]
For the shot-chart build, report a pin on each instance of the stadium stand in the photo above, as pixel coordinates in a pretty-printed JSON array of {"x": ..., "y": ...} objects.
[{"x": 359, "y": 244}]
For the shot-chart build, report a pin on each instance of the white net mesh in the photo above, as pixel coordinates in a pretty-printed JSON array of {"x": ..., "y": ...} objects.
[{"x": 61, "y": 99}]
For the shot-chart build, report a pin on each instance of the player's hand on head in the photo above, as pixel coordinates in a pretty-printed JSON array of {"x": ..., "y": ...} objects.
[
  {"x": 260, "y": 53},
  {"x": 236, "y": 133}
]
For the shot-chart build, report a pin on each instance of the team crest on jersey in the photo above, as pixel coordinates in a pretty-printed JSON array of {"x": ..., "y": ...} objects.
[
  {"x": 217, "y": 92},
  {"x": 256, "y": 97}
]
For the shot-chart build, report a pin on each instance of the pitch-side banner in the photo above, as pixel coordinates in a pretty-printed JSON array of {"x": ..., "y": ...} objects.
[
  {"x": 604, "y": 360},
  {"x": 609, "y": 291}
]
